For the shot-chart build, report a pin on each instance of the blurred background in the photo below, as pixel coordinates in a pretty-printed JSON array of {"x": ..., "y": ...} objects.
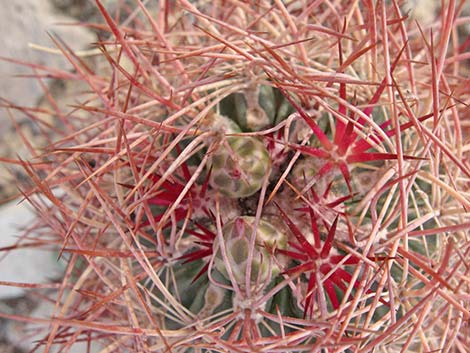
[{"x": 25, "y": 26}]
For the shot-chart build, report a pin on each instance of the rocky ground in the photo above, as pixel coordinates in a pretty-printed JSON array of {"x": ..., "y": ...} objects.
[{"x": 23, "y": 24}]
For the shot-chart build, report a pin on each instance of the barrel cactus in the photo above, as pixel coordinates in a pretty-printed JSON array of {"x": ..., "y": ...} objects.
[{"x": 261, "y": 177}]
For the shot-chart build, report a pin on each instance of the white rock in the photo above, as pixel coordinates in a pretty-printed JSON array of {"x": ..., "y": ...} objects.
[
  {"x": 23, "y": 23},
  {"x": 28, "y": 22},
  {"x": 28, "y": 265},
  {"x": 26, "y": 336}
]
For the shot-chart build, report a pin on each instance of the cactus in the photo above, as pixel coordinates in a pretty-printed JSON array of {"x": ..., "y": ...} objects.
[{"x": 262, "y": 182}]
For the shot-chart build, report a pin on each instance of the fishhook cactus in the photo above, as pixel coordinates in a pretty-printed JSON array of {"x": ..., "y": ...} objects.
[{"x": 269, "y": 176}]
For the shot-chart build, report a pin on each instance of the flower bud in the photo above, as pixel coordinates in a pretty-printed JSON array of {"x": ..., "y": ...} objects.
[
  {"x": 237, "y": 235},
  {"x": 239, "y": 171}
]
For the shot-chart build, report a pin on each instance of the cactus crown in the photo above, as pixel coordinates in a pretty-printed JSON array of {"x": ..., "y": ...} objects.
[{"x": 273, "y": 177}]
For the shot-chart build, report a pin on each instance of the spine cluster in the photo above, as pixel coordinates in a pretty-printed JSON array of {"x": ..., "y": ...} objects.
[{"x": 263, "y": 177}]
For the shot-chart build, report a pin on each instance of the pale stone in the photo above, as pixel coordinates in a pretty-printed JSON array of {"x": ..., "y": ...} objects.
[
  {"x": 25, "y": 23},
  {"x": 26, "y": 336},
  {"x": 28, "y": 265}
]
